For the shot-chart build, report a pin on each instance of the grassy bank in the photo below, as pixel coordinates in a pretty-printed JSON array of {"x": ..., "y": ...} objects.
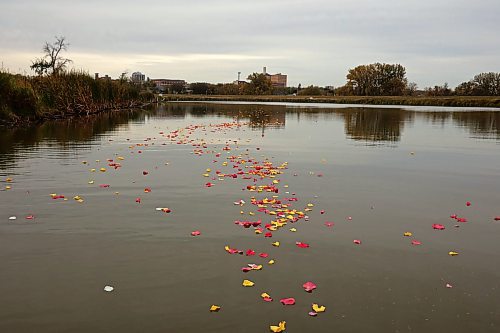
[
  {"x": 456, "y": 101},
  {"x": 27, "y": 99}
]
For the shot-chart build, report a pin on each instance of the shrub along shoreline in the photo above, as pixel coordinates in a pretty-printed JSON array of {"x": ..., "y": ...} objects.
[
  {"x": 25, "y": 99},
  {"x": 450, "y": 101}
]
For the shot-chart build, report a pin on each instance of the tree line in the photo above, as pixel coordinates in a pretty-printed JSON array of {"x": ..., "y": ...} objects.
[{"x": 378, "y": 79}]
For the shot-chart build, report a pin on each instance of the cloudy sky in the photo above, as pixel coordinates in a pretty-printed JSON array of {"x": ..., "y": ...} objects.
[{"x": 314, "y": 42}]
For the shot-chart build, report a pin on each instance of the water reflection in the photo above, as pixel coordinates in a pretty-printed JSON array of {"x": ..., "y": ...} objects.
[
  {"x": 70, "y": 135},
  {"x": 369, "y": 125}
]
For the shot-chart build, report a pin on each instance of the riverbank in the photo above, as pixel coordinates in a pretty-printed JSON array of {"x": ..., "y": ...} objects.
[
  {"x": 28, "y": 99},
  {"x": 452, "y": 101}
]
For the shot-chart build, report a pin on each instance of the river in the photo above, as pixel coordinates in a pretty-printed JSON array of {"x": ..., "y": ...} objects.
[{"x": 83, "y": 205}]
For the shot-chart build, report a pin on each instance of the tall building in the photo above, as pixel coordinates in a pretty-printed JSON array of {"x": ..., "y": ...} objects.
[
  {"x": 138, "y": 77},
  {"x": 277, "y": 80}
]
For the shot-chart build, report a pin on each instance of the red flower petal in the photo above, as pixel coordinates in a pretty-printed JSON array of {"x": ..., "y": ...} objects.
[
  {"x": 302, "y": 245},
  {"x": 438, "y": 226}
]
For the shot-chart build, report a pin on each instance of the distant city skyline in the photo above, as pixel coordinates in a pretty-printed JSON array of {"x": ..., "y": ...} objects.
[{"x": 314, "y": 42}]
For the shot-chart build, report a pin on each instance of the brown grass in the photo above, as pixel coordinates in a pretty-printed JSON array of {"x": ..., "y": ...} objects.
[{"x": 454, "y": 101}]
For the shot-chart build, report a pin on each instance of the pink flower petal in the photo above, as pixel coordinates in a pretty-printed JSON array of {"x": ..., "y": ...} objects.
[
  {"x": 309, "y": 286},
  {"x": 287, "y": 301},
  {"x": 438, "y": 226},
  {"x": 302, "y": 245}
]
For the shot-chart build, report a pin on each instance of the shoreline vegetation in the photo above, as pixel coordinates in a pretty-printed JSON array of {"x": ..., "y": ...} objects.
[
  {"x": 28, "y": 99},
  {"x": 446, "y": 101}
]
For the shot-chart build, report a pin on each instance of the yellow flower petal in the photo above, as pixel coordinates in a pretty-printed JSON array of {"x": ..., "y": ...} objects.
[
  {"x": 317, "y": 308},
  {"x": 293, "y": 230},
  {"x": 407, "y": 234},
  {"x": 271, "y": 262},
  {"x": 247, "y": 283},
  {"x": 453, "y": 253},
  {"x": 277, "y": 244},
  {"x": 214, "y": 308},
  {"x": 280, "y": 328}
]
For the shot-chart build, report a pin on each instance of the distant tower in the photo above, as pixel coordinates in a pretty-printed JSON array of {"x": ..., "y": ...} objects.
[
  {"x": 239, "y": 73},
  {"x": 264, "y": 70},
  {"x": 96, "y": 76}
]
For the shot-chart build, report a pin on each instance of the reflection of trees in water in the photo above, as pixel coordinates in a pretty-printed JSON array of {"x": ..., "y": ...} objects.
[
  {"x": 70, "y": 135},
  {"x": 375, "y": 124},
  {"x": 259, "y": 116},
  {"x": 481, "y": 124},
  {"x": 363, "y": 124}
]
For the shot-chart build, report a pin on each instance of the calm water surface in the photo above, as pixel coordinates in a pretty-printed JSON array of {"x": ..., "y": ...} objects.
[{"x": 391, "y": 170}]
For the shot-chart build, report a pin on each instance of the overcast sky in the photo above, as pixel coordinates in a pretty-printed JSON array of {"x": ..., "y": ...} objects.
[{"x": 313, "y": 42}]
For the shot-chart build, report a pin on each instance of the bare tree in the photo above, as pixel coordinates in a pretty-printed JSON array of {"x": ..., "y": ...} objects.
[{"x": 52, "y": 63}]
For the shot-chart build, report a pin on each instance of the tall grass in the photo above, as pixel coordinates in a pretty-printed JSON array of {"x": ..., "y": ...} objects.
[{"x": 66, "y": 94}]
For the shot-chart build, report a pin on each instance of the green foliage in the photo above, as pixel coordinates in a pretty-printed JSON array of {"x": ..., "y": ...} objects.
[
  {"x": 177, "y": 88},
  {"x": 376, "y": 80},
  {"x": 483, "y": 84},
  {"x": 227, "y": 89},
  {"x": 311, "y": 91},
  {"x": 63, "y": 94},
  {"x": 259, "y": 84},
  {"x": 17, "y": 97},
  {"x": 200, "y": 88}
]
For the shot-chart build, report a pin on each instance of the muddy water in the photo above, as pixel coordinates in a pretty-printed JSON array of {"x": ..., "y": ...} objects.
[{"x": 391, "y": 170}]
